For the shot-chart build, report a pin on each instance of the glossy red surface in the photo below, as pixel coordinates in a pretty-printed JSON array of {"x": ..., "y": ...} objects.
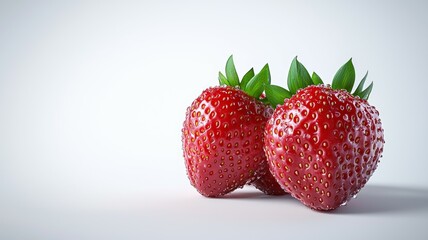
[
  {"x": 268, "y": 184},
  {"x": 222, "y": 140},
  {"x": 323, "y": 145}
]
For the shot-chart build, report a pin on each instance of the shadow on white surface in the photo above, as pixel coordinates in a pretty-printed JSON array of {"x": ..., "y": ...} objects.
[
  {"x": 372, "y": 199},
  {"x": 246, "y": 213},
  {"x": 255, "y": 194},
  {"x": 387, "y": 199}
]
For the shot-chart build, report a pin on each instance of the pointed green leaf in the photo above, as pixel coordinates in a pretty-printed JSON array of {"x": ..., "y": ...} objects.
[
  {"x": 292, "y": 76},
  {"x": 247, "y": 77},
  {"x": 298, "y": 76},
  {"x": 304, "y": 74},
  {"x": 360, "y": 85},
  {"x": 231, "y": 74},
  {"x": 267, "y": 69},
  {"x": 316, "y": 79},
  {"x": 366, "y": 93},
  {"x": 344, "y": 77},
  {"x": 222, "y": 79},
  {"x": 256, "y": 84},
  {"x": 276, "y": 94}
]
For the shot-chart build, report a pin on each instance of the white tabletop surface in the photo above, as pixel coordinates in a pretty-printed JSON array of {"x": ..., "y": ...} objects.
[{"x": 379, "y": 212}]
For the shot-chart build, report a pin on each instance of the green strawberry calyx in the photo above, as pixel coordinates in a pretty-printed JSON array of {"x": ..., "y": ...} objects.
[
  {"x": 299, "y": 78},
  {"x": 251, "y": 83}
]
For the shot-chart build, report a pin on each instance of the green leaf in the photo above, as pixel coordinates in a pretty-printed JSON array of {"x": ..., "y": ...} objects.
[
  {"x": 316, "y": 79},
  {"x": 293, "y": 76},
  {"x": 222, "y": 79},
  {"x": 267, "y": 69},
  {"x": 231, "y": 74},
  {"x": 360, "y": 85},
  {"x": 298, "y": 76},
  {"x": 276, "y": 94},
  {"x": 366, "y": 93},
  {"x": 344, "y": 77},
  {"x": 256, "y": 84},
  {"x": 264, "y": 100},
  {"x": 247, "y": 77}
]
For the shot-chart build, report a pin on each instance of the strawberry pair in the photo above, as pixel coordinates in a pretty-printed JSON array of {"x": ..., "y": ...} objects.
[{"x": 317, "y": 142}]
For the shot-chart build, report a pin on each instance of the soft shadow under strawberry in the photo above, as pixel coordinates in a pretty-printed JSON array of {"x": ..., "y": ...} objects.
[
  {"x": 255, "y": 194},
  {"x": 375, "y": 199}
]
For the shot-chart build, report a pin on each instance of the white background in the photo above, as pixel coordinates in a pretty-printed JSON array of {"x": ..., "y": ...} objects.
[{"x": 93, "y": 95}]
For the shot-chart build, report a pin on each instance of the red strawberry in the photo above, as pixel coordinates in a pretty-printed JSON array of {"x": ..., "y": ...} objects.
[
  {"x": 323, "y": 144},
  {"x": 223, "y": 131},
  {"x": 268, "y": 184}
]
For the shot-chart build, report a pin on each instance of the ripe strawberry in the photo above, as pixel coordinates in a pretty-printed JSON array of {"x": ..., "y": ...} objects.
[
  {"x": 268, "y": 184},
  {"x": 323, "y": 144},
  {"x": 222, "y": 134}
]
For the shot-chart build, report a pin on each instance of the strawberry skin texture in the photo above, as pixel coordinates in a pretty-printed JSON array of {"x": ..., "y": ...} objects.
[
  {"x": 268, "y": 185},
  {"x": 222, "y": 140},
  {"x": 323, "y": 145}
]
